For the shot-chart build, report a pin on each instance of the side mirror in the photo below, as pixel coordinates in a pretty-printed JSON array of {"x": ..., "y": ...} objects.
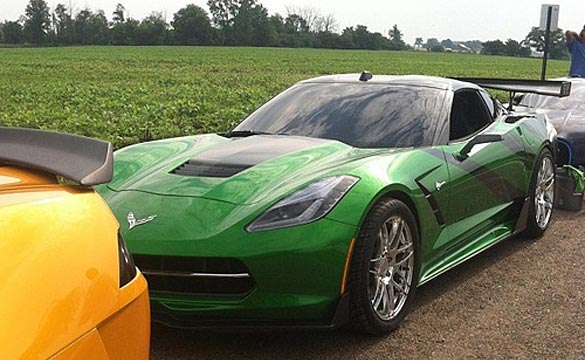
[{"x": 479, "y": 139}]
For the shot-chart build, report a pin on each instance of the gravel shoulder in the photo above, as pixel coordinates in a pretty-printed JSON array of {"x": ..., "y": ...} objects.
[{"x": 520, "y": 299}]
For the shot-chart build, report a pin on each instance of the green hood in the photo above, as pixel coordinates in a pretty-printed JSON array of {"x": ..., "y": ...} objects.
[{"x": 234, "y": 170}]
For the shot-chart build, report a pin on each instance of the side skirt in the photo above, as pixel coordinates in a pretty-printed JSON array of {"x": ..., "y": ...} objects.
[{"x": 490, "y": 239}]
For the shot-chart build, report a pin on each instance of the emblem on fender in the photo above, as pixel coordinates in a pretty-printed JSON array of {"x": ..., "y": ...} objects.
[{"x": 133, "y": 222}]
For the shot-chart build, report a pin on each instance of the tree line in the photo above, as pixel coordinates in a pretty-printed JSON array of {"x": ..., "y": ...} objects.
[
  {"x": 237, "y": 23},
  {"x": 229, "y": 22},
  {"x": 524, "y": 48}
]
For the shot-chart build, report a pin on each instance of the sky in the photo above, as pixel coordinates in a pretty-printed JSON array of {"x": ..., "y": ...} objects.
[{"x": 448, "y": 19}]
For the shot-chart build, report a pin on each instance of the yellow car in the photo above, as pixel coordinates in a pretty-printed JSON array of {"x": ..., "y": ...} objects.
[{"x": 68, "y": 287}]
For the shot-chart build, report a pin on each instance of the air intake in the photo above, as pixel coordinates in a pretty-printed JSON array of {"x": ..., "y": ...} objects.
[
  {"x": 195, "y": 275},
  {"x": 197, "y": 168}
]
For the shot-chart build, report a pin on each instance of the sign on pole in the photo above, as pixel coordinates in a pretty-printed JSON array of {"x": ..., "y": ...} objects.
[
  {"x": 554, "y": 19},
  {"x": 549, "y": 21}
]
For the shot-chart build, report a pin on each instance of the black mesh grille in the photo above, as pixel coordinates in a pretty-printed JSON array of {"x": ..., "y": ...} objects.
[
  {"x": 171, "y": 274},
  {"x": 204, "y": 169}
]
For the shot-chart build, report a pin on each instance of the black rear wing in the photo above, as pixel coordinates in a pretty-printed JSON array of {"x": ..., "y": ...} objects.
[
  {"x": 84, "y": 160},
  {"x": 541, "y": 87},
  {"x": 546, "y": 87}
]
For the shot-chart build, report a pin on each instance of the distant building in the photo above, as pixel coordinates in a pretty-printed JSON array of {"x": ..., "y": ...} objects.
[{"x": 461, "y": 48}]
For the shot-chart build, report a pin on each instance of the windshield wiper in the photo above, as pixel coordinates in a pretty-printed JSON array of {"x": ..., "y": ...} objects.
[{"x": 244, "y": 133}]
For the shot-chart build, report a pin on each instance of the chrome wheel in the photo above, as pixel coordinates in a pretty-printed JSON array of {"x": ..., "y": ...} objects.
[
  {"x": 391, "y": 268},
  {"x": 544, "y": 192}
]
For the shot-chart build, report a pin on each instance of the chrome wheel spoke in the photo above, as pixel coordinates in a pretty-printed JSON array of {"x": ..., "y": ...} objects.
[
  {"x": 544, "y": 193},
  {"x": 391, "y": 298},
  {"x": 383, "y": 237},
  {"x": 378, "y": 295},
  {"x": 405, "y": 248},
  {"x": 397, "y": 228},
  {"x": 385, "y": 299},
  {"x": 378, "y": 259},
  {"x": 548, "y": 182},
  {"x": 392, "y": 268},
  {"x": 403, "y": 261}
]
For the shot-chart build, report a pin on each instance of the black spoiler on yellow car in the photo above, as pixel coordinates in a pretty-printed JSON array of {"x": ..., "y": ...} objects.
[{"x": 80, "y": 159}]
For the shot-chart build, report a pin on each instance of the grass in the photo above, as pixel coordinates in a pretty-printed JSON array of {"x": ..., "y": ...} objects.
[{"x": 132, "y": 94}]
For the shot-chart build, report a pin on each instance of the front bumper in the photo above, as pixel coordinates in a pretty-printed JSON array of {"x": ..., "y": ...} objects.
[
  {"x": 295, "y": 273},
  {"x": 163, "y": 315},
  {"x": 295, "y": 278}
]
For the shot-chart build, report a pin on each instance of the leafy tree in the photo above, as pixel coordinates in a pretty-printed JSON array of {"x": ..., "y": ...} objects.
[
  {"x": 360, "y": 38},
  {"x": 81, "y": 27},
  {"x": 514, "y": 48},
  {"x": 91, "y": 28},
  {"x": 242, "y": 22},
  {"x": 37, "y": 21},
  {"x": 558, "y": 50},
  {"x": 63, "y": 25},
  {"x": 152, "y": 30},
  {"x": 396, "y": 42},
  {"x": 98, "y": 32},
  {"x": 295, "y": 24},
  {"x": 12, "y": 32},
  {"x": 223, "y": 12},
  {"x": 419, "y": 42},
  {"x": 118, "y": 14},
  {"x": 125, "y": 33},
  {"x": 496, "y": 47},
  {"x": 277, "y": 22},
  {"x": 436, "y": 48},
  {"x": 251, "y": 25},
  {"x": 433, "y": 43},
  {"x": 448, "y": 44},
  {"x": 327, "y": 40},
  {"x": 191, "y": 26}
]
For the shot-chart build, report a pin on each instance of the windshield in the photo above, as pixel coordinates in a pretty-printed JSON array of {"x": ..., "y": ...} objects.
[
  {"x": 573, "y": 102},
  {"x": 361, "y": 115}
]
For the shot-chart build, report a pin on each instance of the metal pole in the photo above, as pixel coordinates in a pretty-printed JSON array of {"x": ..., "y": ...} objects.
[{"x": 546, "y": 43}]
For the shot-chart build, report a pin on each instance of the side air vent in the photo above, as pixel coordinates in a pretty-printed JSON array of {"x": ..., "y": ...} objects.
[{"x": 197, "y": 168}]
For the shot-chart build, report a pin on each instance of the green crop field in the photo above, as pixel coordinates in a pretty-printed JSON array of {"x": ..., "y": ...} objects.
[{"x": 132, "y": 94}]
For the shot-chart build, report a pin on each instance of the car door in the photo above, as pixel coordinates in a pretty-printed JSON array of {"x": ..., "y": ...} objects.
[{"x": 486, "y": 173}]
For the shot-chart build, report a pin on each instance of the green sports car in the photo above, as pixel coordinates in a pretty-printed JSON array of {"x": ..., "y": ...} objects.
[{"x": 332, "y": 202}]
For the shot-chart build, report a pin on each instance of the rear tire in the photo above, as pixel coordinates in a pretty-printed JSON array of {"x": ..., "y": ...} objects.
[
  {"x": 542, "y": 195},
  {"x": 384, "y": 268}
]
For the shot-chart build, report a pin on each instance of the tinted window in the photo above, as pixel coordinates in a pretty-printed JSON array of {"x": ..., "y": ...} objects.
[
  {"x": 361, "y": 115},
  {"x": 468, "y": 114},
  {"x": 489, "y": 102}
]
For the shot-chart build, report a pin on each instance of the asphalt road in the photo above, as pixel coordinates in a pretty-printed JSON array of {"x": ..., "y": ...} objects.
[{"x": 520, "y": 299}]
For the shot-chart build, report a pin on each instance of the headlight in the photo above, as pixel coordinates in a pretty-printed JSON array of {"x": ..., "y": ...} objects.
[
  {"x": 127, "y": 266},
  {"x": 306, "y": 205}
]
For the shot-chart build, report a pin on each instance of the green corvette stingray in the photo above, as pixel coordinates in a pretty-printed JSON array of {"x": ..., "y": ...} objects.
[{"x": 332, "y": 202}]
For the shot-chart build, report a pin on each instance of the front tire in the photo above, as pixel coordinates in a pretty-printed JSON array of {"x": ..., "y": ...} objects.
[
  {"x": 384, "y": 268},
  {"x": 542, "y": 195}
]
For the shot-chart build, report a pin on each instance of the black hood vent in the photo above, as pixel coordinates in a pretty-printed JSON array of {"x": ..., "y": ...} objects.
[
  {"x": 198, "y": 168},
  {"x": 231, "y": 157}
]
